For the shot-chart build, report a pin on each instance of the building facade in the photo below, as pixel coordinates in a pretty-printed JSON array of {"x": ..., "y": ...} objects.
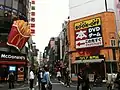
[
  {"x": 93, "y": 36},
  {"x": 11, "y": 59}
]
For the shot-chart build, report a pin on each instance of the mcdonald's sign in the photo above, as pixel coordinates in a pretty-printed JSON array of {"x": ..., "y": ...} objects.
[{"x": 16, "y": 38}]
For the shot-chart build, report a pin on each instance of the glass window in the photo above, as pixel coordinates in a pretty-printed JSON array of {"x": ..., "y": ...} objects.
[
  {"x": 15, "y": 4},
  {"x": 33, "y": 7},
  {"x": 20, "y": 7},
  {"x": 32, "y": 25},
  {"x": 2, "y": 2},
  {"x": 1, "y": 13},
  {"x": 24, "y": 2},
  {"x": 32, "y": 19},
  {"x": 8, "y": 3},
  {"x": 33, "y": 2},
  {"x": 33, "y": 13}
]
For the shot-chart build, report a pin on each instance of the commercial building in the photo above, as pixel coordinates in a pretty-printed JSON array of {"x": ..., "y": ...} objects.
[
  {"x": 10, "y": 58},
  {"x": 93, "y": 36}
]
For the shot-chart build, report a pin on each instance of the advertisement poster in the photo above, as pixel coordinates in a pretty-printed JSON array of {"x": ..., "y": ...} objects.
[
  {"x": 19, "y": 34},
  {"x": 88, "y": 33}
]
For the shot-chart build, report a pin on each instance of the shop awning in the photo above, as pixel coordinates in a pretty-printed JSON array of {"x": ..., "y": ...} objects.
[{"x": 88, "y": 61}]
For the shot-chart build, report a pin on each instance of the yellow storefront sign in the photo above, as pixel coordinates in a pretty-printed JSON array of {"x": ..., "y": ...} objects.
[{"x": 87, "y": 23}]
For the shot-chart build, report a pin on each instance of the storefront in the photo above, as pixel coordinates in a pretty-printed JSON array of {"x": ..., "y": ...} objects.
[{"x": 12, "y": 62}]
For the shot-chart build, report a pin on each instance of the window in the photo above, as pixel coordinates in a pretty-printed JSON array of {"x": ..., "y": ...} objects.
[
  {"x": 32, "y": 19},
  {"x": 1, "y": 13},
  {"x": 33, "y": 2},
  {"x": 32, "y": 25},
  {"x": 2, "y": 2},
  {"x": 20, "y": 7},
  {"x": 15, "y": 4},
  {"x": 33, "y": 13},
  {"x": 33, "y": 7},
  {"x": 8, "y": 3}
]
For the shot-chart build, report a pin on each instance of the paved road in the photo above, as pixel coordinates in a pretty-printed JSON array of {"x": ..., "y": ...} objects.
[{"x": 56, "y": 86}]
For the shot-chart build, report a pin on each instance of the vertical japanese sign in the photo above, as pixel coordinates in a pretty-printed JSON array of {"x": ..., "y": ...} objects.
[{"x": 88, "y": 33}]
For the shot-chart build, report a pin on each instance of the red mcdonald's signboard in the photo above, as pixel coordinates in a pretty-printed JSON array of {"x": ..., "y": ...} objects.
[{"x": 19, "y": 34}]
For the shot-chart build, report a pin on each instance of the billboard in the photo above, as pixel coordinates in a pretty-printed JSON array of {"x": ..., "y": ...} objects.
[
  {"x": 88, "y": 33},
  {"x": 19, "y": 34}
]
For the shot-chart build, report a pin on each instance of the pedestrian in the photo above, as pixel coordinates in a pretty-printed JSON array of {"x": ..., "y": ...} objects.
[
  {"x": 40, "y": 77},
  {"x": 80, "y": 79},
  {"x": 85, "y": 84},
  {"x": 11, "y": 80},
  {"x": 117, "y": 81},
  {"x": 32, "y": 76},
  {"x": 58, "y": 75},
  {"x": 46, "y": 83},
  {"x": 67, "y": 78}
]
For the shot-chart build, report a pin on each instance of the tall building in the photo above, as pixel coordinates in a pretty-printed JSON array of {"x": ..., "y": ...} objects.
[
  {"x": 10, "y": 58},
  {"x": 32, "y": 17}
]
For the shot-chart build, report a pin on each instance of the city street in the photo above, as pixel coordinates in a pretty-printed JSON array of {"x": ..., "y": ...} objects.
[{"x": 56, "y": 86}]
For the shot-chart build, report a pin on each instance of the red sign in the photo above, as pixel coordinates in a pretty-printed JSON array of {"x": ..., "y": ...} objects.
[{"x": 19, "y": 34}]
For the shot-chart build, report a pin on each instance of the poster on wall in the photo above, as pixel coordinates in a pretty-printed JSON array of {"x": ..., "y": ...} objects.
[{"x": 88, "y": 33}]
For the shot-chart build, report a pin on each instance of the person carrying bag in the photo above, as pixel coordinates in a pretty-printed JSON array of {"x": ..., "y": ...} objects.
[{"x": 46, "y": 83}]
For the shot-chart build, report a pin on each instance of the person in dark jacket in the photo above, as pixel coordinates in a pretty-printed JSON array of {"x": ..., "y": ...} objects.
[
  {"x": 11, "y": 80},
  {"x": 40, "y": 76},
  {"x": 85, "y": 84},
  {"x": 80, "y": 79}
]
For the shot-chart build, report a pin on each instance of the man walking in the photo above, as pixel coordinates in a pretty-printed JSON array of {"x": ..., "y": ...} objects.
[
  {"x": 80, "y": 79},
  {"x": 40, "y": 77},
  {"x": 32, "y": 76},
  {"x": 11, "y": 80}
]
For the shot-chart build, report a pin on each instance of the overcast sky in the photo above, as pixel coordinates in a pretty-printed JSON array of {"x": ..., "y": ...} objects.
[{"x": 50, "y": 14}]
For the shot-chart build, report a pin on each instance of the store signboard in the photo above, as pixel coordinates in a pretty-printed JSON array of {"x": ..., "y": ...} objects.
[
  {"x": 90, "y": 57},
  {"x": 12, "y": 56},
  {"x": 88, "y": 33}
]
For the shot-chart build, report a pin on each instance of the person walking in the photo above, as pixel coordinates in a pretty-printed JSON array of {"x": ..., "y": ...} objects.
[
  {"x": 85, "y": 84},
  {"x": 32, "y": 76},
  {"x": 46, "y": 83},
  {"x": 11, "y": 80},
  {"x": 40, "y": 77},
  {"x": 58, "y": 75},
  {"x": 80, "y": 79}
]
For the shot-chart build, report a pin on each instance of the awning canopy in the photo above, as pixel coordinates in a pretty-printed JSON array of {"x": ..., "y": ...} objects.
[{"x": 88, "y": 61}]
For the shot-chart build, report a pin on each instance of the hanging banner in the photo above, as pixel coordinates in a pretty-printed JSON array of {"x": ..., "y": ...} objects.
[{"x": 19, "y": 34}]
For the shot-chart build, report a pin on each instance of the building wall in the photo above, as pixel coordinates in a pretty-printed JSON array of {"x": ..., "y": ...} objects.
[
  {"x": 95, "y": 6},
  {"x": 108, "y": 32}
]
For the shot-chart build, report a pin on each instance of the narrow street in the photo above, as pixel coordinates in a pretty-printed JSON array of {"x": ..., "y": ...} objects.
[{"x": 56, "y": 86}]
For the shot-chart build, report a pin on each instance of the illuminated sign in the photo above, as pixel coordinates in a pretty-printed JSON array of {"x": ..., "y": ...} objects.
[
  {"x": 90, "y": 57},
  {"x": 88, "y": 33},
  {"x": 87, "y": 23}
]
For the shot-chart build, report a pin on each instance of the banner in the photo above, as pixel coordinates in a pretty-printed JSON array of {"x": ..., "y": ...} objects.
[{"x": 19, "y": 34}]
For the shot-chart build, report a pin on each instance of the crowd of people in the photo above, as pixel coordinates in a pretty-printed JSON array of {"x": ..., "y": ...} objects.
[{"x": 44, "y": 81}]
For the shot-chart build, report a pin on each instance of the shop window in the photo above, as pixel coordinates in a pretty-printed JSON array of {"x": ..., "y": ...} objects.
[
  {"x": 15, "y": 4},
  {"x": 2, "y": 2},
  {"x": 33, "y": 13},
  {"x": 8, "y": 3},
  {"x": 33, "y": 7}
]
